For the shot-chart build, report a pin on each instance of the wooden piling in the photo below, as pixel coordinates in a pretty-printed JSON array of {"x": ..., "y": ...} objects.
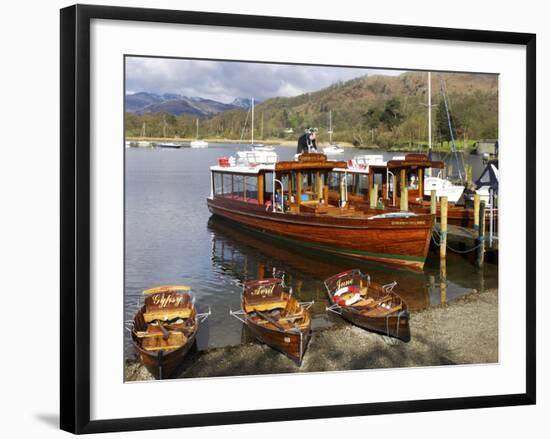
[
  {"x": 404, "y": 200},
  {"x": 443, "y": 281},
  {"x": 468, "y": 170},
  {"x": 477, "y": 199},
  {"x": 481, "y": 235},
  {"x": 443, "y": 229}
]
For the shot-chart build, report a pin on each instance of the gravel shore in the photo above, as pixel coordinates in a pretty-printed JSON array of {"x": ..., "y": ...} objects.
[{"x": 464, "y": 331}]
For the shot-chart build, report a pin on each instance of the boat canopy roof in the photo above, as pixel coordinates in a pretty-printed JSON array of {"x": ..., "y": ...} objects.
[
  {"x": 244, "y": 169},
  {"x": 309, "y": 162}
]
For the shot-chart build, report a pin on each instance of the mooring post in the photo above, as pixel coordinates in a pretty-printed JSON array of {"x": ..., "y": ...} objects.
[
  {"x": 477, "y": 199},
  {"x": 443, "y": 281},
  {"x": 433, "y": 206},
  {"x": 443, "y": 229},
  {"x": 374, "y": 196},
  {"x": 404, "y": 200},
  {"x": 481, "y": 235},
  {"x": 468, "y": 170}
]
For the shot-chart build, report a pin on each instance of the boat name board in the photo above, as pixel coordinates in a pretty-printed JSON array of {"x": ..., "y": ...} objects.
[
  {"x": 408, "y": 223},
  {"x": 164, "y": 300},
  {"x": 263, "y": 291},
  {"x": 341, "y": 283}
]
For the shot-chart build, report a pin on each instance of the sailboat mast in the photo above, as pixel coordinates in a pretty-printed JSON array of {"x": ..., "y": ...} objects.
[
  {"x": 197, "y": 128},
  {"x": 330, "y": 126},
  {"x": 430, "y": 113},
  {"x": 252, "y": 121}
]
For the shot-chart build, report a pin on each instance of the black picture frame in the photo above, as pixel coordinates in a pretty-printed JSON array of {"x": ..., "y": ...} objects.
[{"x": 75, "y": 217}]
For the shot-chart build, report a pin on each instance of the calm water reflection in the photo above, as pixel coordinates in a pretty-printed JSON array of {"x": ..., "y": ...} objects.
[{"x": 172, "y": 239}]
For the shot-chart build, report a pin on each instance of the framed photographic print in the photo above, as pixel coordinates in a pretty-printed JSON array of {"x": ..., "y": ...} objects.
[{"x": 257, "y": 211}]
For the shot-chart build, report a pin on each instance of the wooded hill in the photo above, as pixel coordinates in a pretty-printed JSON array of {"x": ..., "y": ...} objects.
[{"x": 377, "y": 110}]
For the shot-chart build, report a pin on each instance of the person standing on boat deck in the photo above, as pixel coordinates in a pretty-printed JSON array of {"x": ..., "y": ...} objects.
[{"x": 306, "y": 142}]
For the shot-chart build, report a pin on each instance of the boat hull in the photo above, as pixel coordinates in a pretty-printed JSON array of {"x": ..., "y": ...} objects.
[
  {"x": 291, "y": 344},
  {"x": 372, "y": 317},
  {"x": 392, "y": 326},
  {"x": 396, "y": 241},
  {"x": 161, "y": 364}
]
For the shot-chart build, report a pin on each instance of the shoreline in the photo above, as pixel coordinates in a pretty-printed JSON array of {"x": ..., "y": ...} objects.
[
  {"x": 293, "y": 143},
  {"x": 464, "y": 331}
]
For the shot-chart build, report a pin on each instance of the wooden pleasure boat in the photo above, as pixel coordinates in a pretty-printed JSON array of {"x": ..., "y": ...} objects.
[
  {"x": 391, "y": 178},
  {"x": 289, "y": 201},
  {"x": 367, "y": 305},
  {"x": 165, "y": 328},
  {"x": 275, "y": 317}
]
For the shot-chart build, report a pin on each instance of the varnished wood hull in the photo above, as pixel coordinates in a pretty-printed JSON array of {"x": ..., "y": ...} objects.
[
  {"x": 160, "y": 364},
  {"x": 457, "y": 215},
  {"x": 396, "y": 241},
  {"x": 372, "y": 317},
  {"x": 292, "y": 344},
  {"x": 392, "y": 326}
]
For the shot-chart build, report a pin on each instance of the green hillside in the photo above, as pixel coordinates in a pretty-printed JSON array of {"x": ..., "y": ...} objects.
[{"x": 379, "y": 111}]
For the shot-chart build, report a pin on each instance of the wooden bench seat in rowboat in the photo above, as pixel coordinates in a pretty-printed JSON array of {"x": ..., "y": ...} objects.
[
  {"x": 378, "y": 311},
  {"x": 174, "y": 341},
  {"x": 166, "y": 314},
  {"x": 265, "y": 306}
]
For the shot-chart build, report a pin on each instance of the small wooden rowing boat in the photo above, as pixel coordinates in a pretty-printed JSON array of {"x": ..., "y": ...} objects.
[
  {"x": 165, "y": 328},
  {"x": 368, "y": 305},
  {"x": 275, "y": 317}
]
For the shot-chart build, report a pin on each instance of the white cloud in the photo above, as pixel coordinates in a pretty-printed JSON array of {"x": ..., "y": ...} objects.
[{"x": 225, "y": 80}]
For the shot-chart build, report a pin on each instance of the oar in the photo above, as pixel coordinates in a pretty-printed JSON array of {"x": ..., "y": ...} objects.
[{"x": 270, "y": 320}]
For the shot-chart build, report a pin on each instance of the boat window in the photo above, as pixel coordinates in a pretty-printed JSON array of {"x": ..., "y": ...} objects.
[
  {"x": 412, "y": 180},
  {"x": 268, "y": 185},
  {"x": 251, "y": 184},
  {"x": 334, "y": 181},
  {"x": 217, "y": 183},
  {"x": 227, "y": 180},
  {"x": 363, "y": 184},
  {"x": 238, "y": 186}
]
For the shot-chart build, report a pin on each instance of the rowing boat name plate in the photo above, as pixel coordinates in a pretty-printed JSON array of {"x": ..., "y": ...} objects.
[
  {"x": 164, "y": 300},
  {"x": 264, "y": 291},
  {"x": 341, "y": 283}
]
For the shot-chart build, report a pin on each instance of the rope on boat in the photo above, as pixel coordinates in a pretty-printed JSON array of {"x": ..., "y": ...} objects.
[{"x": 438, "y": 243}]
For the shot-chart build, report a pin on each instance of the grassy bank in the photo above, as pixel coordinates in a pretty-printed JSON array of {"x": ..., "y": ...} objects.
[{"x": 464, "y": 331}]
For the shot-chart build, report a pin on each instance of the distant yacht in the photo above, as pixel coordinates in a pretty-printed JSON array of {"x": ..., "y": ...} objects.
[
  {"x": 171, "y": 145},
  {"x": 258, "y": 151},
  {"x": 198, "y": 143},
  {"x": 333, "y": 149}
]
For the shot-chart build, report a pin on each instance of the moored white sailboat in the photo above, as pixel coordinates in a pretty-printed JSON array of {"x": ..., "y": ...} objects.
[
  {"x": 197, "y": 143},
  {"x": 333, "y": 148}
]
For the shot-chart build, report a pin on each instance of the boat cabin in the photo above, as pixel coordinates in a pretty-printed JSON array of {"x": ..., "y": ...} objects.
[
  {"x": 386, "y": 181},
  {"x": 287, "y": 186}
]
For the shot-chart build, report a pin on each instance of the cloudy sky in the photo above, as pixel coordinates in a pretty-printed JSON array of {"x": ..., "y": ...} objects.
[{"x": 224, "y": 81}]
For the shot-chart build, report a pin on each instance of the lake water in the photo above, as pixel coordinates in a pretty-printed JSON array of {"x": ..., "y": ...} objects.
[{"x": 172, "y": 239}]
